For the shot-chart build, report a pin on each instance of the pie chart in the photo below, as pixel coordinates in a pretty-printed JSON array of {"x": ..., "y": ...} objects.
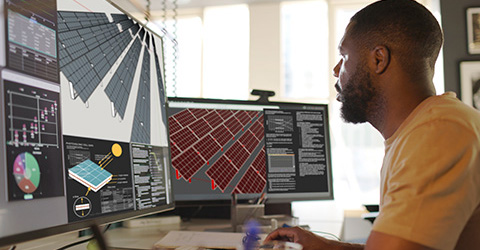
[{"x": 26, "y": 172}]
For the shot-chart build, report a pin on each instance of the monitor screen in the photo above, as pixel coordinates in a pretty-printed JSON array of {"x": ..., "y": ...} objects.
[
  {"x": 31, "y": 32},
  {"x": 225, "y": 147},
  {"x": 87, "y": 143}
]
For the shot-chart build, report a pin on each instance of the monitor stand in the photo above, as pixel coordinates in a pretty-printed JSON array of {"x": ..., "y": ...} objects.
[
  {"x": 98, "y": 236},
  {"x": 240, "y": 214},
  {"x": 98, "y": 240},
  {"x": 268, "y": 218}
]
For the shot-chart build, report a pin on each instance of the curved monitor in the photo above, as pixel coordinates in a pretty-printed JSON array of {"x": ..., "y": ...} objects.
[
  {"x": 225, "y": 147},
  {"x": 84, "y": 127}
]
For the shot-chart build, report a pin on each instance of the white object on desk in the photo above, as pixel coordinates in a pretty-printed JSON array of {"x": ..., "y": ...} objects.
[
  {"x": 152, "y": 221},
  {"x": 176, "y": 239}
]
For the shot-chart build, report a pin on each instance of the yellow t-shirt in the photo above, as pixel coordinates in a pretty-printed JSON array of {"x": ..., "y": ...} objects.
[{"x": 430, "y": 178}]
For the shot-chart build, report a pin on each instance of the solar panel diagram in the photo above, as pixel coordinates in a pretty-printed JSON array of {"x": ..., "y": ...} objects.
[
  {"x": 99, "y": 177},
  {"x": 89, "y": 45},
  {"x": 90, "y": 175},
  {"x": 110, "y": 64},
  {"x": 223, "y": 148}
]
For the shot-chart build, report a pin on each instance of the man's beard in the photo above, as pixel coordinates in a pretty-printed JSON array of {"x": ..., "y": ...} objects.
[{"x": 358, "y": 97}]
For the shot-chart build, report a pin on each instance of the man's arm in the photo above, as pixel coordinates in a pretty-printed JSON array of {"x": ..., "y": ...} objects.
[
  {"x": 311, "y": 241},
  {"x": 378, "y": 240}
]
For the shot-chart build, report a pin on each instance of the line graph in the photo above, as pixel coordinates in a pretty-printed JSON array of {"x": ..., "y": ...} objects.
[
  {"x": 33, "y": 119},
  {"x": 33, "y": 140}
]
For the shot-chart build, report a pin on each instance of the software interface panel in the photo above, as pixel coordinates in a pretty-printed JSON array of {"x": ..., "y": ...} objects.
[
  {"x": 297, "y": 156},
  {"x": 33, "y": 141},
  {"x": 223, "y": 148}
]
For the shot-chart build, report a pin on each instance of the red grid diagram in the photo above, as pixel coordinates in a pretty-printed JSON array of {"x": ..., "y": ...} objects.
[
  {"x": 173, "y": 124},
  {"x": 183, "y": 138},
  {"x": 196, "y": 135},
  {"x": 249, "y": 141},
  {"x": 257, "y": 128},
  {"x": 222, "y": 172},
  {"x": 237, "y": 155},
  {"x": 254, "y": 180},
  {"x": 222, "y": 135},
  {"x": 213, "y": 119},
  {"x": 190, "y": 158}
]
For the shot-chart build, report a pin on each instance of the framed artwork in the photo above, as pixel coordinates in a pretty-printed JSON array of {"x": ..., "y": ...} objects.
[
  {"x": 470, "y": 83},
  {"x": 473, "y": 30}
]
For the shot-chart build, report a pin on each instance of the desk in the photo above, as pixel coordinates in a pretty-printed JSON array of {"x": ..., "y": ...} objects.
[
  {"x": 146, "y": 237},
  {"x": 129, "y": 238}
]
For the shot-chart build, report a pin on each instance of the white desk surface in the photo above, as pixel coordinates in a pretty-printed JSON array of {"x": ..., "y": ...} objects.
[
  {"x": 146, "y": 237},
  {"x": 129, "y": 238}
]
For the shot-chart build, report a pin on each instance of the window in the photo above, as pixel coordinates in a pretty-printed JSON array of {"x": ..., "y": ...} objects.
[
  {"x": 213, "y": 62},
  {"x": 226, "y": 44},
  {"x": 187, "y": 78},
  {"x": 305, "y": 49},
  {"x": 211, "y": 54}
]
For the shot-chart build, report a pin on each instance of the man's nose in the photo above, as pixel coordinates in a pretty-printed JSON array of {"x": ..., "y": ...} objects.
[{"x": 336, "y": 69}]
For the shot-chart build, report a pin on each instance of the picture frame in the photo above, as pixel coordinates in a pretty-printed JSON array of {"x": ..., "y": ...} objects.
[
  {"x": 470, "y": 83},
  {"x": 473, "y": 30}
]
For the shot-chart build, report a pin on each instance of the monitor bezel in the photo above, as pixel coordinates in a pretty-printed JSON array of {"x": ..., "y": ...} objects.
[
  {"x": 80, "y": 225},
  {"x": 271, "y": 198}
]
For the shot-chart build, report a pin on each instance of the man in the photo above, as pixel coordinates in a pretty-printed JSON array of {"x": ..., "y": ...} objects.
[{"x": 430, "y": 179}]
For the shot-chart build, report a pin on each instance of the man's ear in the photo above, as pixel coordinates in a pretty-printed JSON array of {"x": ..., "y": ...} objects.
[{"x": 380, "y": 58}]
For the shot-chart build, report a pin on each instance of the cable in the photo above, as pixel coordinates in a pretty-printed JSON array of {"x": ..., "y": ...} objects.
[
  {"x": 76, "y": 243},
  {"x": 175, "y": 48},
  {"x": 195, "y": 213},
  {"x": 164, "y": 14},
  {"x": 326, "y": 233},
  {"x": 172, "y": 35},
  {"x": 81, "y": 241},
  {"x": 147, "y": 11}
]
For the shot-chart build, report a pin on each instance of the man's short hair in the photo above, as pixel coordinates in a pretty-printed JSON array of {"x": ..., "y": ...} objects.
[{"x": 405, "y": 27}]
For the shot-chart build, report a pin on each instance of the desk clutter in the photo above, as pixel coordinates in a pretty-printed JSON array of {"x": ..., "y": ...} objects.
[
  {"x": 191, "y": 240},
  {"x": 223, "y": 240}
]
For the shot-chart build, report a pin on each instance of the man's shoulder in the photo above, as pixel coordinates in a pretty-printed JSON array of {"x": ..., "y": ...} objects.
[
  {"x": 439, "y": 116},
  {"x": 447, "y": 108}
]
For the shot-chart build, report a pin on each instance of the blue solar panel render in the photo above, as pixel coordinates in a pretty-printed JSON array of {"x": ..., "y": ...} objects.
[
  {"x": 141, "y": 122},
  {"x": 160, "y": 81},
  {"x": 86, "y": 61},
  {"x": 119, "y": 17},
  {"x": 107, "y": 48},
  {"x": 90, "y": 175},
  {"x": 119, "y": 87},
  {"x": 147, "y": 41}
]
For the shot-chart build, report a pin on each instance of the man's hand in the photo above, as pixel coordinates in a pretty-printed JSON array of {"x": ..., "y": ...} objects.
[
  {"x": 307, "y": 239},
  {"x": 311, "y": 241}
]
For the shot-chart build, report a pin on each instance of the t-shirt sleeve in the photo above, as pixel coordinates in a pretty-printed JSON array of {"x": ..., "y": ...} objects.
[{"x": 431, "y": 185}]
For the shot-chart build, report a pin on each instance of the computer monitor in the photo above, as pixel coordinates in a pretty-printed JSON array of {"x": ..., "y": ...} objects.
[
  {"x": 225, "y": 147},
  {"x": 84, "y": 127}
]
